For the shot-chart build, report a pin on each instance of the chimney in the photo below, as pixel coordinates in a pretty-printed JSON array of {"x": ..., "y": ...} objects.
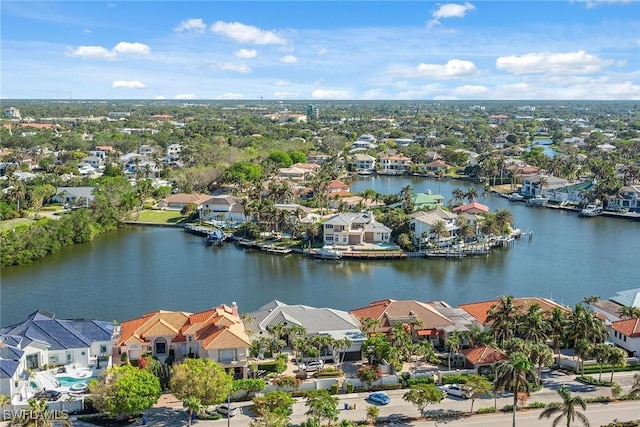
[{"x": 234, "y": 309}]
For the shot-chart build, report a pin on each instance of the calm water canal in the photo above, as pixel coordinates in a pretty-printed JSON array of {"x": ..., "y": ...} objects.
[{"x": 137, "y": 270}]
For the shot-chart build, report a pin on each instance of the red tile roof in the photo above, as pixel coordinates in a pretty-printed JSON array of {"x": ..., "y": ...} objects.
[
  {"x": 628, "y": 327},
  {"x": 480, "y": 310},
  {"x": 484, "y": 355}
]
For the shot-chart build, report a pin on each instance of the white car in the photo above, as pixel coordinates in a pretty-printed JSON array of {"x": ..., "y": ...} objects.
[
  {"x": 314, "y": 365},
  {"x": 454, "y": 390},
  {"x": 228, "y": 410}
]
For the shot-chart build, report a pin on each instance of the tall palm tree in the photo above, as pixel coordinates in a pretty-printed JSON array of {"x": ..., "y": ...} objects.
[
  {"x": 471, "y": 194},
  {"x": 454, "y": 344},
  {"x": 541, "y": 355},
  {"x": 617, "y": 358},
  {"x": 567, "y": 409},
  {"x": 582, "y": 349},
  {"x": 504, "y": 219},
  {"x": 503, "y": 318},
  {"x": 533, "y": 326},
  {"x": 543, "y": 183},
  {"x": 557, "y": 327},
  {"x": 601, "y": 354},
  {"x": 512, "y": 374},
  {"x": 439, "y": 228}
]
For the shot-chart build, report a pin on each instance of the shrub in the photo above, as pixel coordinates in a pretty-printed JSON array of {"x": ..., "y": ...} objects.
[
  {"x": 209, "y": 416},
  {"x": 328, "y": 373},
  {"x": 507, "y": 408},
  {"x": 268, "y": 366},
  {"x": 536, "y": 405},
  {"x": 286, "y": 381},
  {"x": 378, "y": 387},
  {"x": 489, "y": 410},
  {"x": 454, "y": 379},
  {"x": 349, "y": 387},
  {"x": 334, "y": 388},
  {"x": 419, "y": 381},
  {"x": 587, "y": 379}
]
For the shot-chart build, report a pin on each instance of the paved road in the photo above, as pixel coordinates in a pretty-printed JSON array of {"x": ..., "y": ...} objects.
[{"x": 169, "y": 412}]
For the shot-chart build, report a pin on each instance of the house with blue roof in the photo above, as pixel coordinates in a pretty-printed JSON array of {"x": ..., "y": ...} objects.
[{"x": 43, "y": 341}]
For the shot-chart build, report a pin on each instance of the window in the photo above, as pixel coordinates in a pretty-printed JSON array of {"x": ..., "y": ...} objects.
[
  {"x": 329, "y": 237},
  {"x": 227, "y": 356},
  {"x": 32, "y": 361},
  {"x": 161, "y": 347},
  {"x": 328, "y": 226},
  {"x": 103, "y": 349}
]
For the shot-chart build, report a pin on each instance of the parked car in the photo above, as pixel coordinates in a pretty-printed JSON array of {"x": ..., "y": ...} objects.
[
  {"x": 314, "y": 365},
  {"x": 454, "y": 390},
  {"x": 49, "y": 395},
  {"x": 379, "y": 398},
  {"x": 227, "y": 409}
]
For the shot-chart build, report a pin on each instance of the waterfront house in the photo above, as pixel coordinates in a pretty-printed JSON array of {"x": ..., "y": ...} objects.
[
  {"x": 426, "y": 200},
  {"x": 294, "y": 173},
  {"x": 315, "y": 321},
  {"x": 628, "y": 199},
  {"x": 531, "y": 186},
  {"x": 435, "y": 166},
  {"x": 222, "y": 208},
  {"x": 14, "y": 375},
  {"x": 348, "y": 229},
  {"x": 79, "y": 341},
  {"x": 217, "y": 334},
  {"x": 419, "y": 319},
  {"x": 364, "y": 162},
  {"x": 480, "y": 310},
  {"x": 575, "y": 193},
  {"x": 73, "y": 195},
  {"x": 471, "y": 208},
  {"x": 609, "y": 309},
  {"x": 394, "y": 164},
  {"x": 625, "y": 333},
  {"x": 180, "y": 200},
  {"x": 423, "y": 222},
  {"x": 336, "y": 187}
]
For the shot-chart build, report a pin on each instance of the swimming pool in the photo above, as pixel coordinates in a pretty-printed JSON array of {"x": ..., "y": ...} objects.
[{"x": 69, "y": 381}]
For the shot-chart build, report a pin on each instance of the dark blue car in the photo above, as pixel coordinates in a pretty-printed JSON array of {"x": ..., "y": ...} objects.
[{"x": 379, "y": 398}]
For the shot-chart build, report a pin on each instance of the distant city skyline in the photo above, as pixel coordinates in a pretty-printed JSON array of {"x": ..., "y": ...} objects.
[{"x": 329, "y": 50}]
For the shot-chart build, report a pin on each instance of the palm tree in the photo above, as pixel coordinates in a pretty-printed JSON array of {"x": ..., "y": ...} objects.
[
  {"x": 512, "y": 374},
  {"x": 568, "y": 409},
  {"x": 504, "y": 219},
  {"x": 503, "y": 318},
  {"x": 543, "y": 182},
  {"x": 439, "y": 228},
  {"x": 341, "y": 346},
  {"x": 629, "y": 312},
  {"x": 601, "y": 354},
  {"x": 368, "y": 325},
  {"x": 406, "y": 198},
  {"x": 617, "y": 358},
  {"x": 471, "y": 194},
  {"x": 454, "y": 344},
  {"x": 533, "y": 325},
  {"x": 458, "y": 195},
  {"x": 541, "y": 355},
  {"x": 582, "y": 349},
  {"x": 635, "y": 387},
  {"x": 557, "y": 326}
]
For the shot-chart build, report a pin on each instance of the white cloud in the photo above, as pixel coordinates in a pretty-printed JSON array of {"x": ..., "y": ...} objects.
[
  {"x": 87, "y": 31},
  {"x": 450, "y": 10},
  {"x": 159, "y": 97},
  {"x": 454, "y": 68},
  {"x": 284, "y": 95},
  {"x": 230, "y": 66},
  {"x": 282, "y": 83},
  {"x": 132, "y": 48},
  {"x": 593, "y": 3},
  {"x": 330, "y": 94},
  {"x": 322, "y": 51},
  {"x": 186, "y": 96},
  {"x": 93, "y": 52},
  {"x": 246, "y": 53},
  {"x": 289, "y": 59},
  {"x": 230, "y": 96},
  {"x": 196, "y": 25},
  {"x": 246, "y": 33},
  {"x": 130, "y": 84},
  {"x": 471, "y": 91},
  {"x": 578, "y": 62},
  {"x": 99, "y": 52}
]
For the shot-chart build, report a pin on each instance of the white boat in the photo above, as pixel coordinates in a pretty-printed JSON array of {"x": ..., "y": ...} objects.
[
  {"x": 591, "y": 210},
  {"x": 515, "y": 197},
  {"x": 216, "y": 236},
  {"x": 537, "y": 201},
  {"x": 365, "y": 172},
  {"x": 327, "y": 254}
]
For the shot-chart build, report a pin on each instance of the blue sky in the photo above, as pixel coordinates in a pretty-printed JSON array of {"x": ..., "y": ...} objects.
[{"x": 414, "y": 50}]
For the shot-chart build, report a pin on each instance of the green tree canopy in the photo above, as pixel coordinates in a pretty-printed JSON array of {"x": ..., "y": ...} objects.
[
  {"x": 200, "y": 378},
  {"x": 422, "y": 395},
  {"x": 125, "y": 390},
  {"x": 322, "y": 406}
]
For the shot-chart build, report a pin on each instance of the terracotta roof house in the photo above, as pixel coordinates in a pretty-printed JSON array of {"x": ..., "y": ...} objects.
[
  {"x": 217, "y": 334},
  {"x": 435, "y": 166},
  {"x": 435, "y": 326},
  {"x": 482, "y": 356},
  {"x": 472, "y": 208},
  {"x": 626, "y": 334},
  {"x": 336, "y": 186},
  {"x": 397, "y": 163},
  {"x": 180, "y": 200},
  {"x": 480, "y": 310}
]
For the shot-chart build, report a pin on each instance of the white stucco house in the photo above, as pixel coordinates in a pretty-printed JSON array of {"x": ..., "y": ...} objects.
[{"x": 348, "y": 229}]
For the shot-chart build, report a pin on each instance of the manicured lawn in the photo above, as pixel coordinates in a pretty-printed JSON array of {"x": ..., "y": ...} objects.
[
  {"x": 9, "y": 224},
  {"x": 159, "y": 216}
]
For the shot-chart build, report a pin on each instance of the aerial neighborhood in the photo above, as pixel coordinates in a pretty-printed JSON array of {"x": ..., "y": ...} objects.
[
  {"x": 261, "y": 170},
  {"x": 279, "y": 177}
]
